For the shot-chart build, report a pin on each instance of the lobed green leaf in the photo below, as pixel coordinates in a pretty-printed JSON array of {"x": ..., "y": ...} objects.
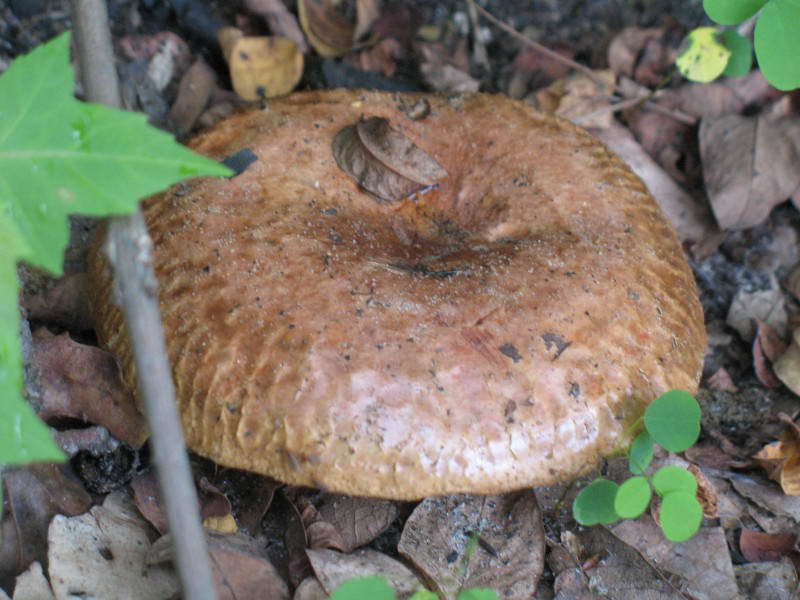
[
  {"x": 59, "y": 156},
  {"x": 23, "y": 437}
]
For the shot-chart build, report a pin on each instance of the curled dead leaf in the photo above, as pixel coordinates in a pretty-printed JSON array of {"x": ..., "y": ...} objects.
[
  {"x": 328, "y": 31},
  {"x": 706, "y": 494},
  {"x": 384, "y": 161},
  {"x": 781, "y": 459}
]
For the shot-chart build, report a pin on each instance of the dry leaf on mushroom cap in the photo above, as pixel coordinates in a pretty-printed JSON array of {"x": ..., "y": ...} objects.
[{"x": 410, "y": 347}]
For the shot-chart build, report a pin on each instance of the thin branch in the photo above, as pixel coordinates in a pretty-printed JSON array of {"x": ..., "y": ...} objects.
[
  {"x": 129, "y": 251},
  {"x": 675, "y": 114}
]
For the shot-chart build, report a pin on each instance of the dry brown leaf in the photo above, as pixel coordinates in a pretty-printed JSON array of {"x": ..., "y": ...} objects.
[
  {"x": 214, "y": 505},
  {"x": 241, "y": 572},
  {"x": 787, "y": 367},
  {"x": 381, "y": 57},
  {"x": 33, "y": 585},
  {"x": 447, "y": 78},
  {"x": 147, "y": 497},
  {"x": 793, "y": 281},
  {"x": 35, "y": 494},
  {"x": 63, "y": 303},
  {"x": 708, "y": 454},
  {"x": 95, "y": 440},
  {"x": 319, "y": 532},
  {"x": 703, "y": 563},
  {"x": 82, "y": 382},
  {"x": 767, "y": 348},
  {"x": 367, "y": 13},
  {"x": 581, "y": 99},
  {"x": 722, "y": 380},
  {"x": 508, "y": 556},
  {"x": 384, "y": 161},
  {"x": 670, "y": 142},
  {"x": 326, "y": 28},
  {"x": 358, "y": 520},
  {"x": 194, "y": 92},
  {"x": 626, "y": 48},
  {"x": 397, "y": 152},
  {"x": 104, "y": 552},
  {"x": 280, "y": 20},
  {"x": 767, "y": 581},
  {"x": 532, "y": 70},
  {"x": 706, "y": 493},
  {"x": 445, "y": 65},
  {"x": 782, "y": 459},
  {"x": 692, "y": 219},
  {"x": 749, "y": 166},
  {"x": 310, "y": 589},
  {"x": 261, "y": 67},
  {"x": 763, "y": 547},
  {"x": 767, "y": 305},
  {"x": 333, "y": 569}
]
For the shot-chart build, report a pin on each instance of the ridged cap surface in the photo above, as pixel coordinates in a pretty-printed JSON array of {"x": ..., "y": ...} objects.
[{"x": 499, "y": 331}]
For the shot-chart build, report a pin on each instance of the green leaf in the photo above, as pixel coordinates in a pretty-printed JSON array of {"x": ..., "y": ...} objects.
[
  {"x": 595, "y": 504},
  {"x": 364, "y": 588},
  {"x": 777, "y": 43},
  {"x": 60, "y": 156},
  {"x": 680, "y": 516},
  {"x": 477, "y": 594},
  {"x": 641, "y": 453},
  {"x": 673, "y": 419},
  {"x": 633, "y": 497},
  {"x": 23, "y": 437},
  {"x": 674, "y": 479},
  {"x": 732, "y": 12},
  {"x": 741, "y": 60},
  {"x": 703, "y": 58}
]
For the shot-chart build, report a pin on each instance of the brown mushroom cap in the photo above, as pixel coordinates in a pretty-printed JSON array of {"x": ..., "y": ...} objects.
[{"x": 500, "y": 331}]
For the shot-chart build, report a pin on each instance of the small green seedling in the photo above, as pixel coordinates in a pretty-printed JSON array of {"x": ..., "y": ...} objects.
[
  {"x": 672, "y": 421},
  {"x": 709, "y": 53},
  {"x": 377, "y": 588}
]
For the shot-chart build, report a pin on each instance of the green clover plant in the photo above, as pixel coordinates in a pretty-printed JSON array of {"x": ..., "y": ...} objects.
[
  {"x": 673, "y": 422},
  {"x": 708, "y": 53}
]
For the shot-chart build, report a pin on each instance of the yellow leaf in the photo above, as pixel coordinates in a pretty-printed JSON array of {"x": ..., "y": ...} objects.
[{"x": 703, "y": 58}]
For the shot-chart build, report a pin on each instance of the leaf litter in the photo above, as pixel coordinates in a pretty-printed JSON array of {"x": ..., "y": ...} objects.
[{"x": 721, "y": 160}]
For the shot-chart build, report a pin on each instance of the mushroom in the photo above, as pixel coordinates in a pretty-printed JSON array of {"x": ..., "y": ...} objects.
[{"x": 499, "y": 324}]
